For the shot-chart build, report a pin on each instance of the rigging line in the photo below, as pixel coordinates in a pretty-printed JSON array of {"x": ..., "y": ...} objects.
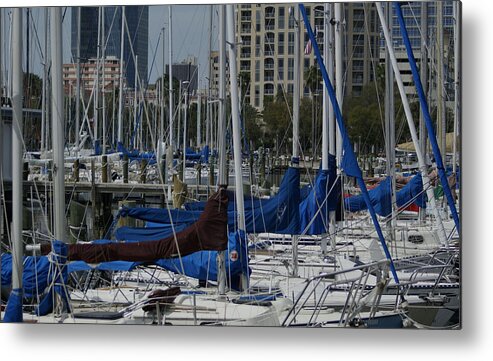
[{"x": 372, "y": 58}]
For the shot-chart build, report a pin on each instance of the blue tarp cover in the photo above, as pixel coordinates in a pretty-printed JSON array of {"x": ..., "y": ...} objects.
[
  {"x": 320, "y": 198},
  {"x": 35, "y": 269},
  {"x": 203, "y": 265},
  {"x": 381, "y": 197},
  {"x": 280, "y": 214}
]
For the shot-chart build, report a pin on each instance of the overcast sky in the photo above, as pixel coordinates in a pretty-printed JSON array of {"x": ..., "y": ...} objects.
[{"x": 191, "y": 25}]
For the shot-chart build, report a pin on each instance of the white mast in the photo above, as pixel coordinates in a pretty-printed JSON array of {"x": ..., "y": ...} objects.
[
  {"x": 296, "y": 118},
  {"x": 332, "y": 120},
  {"x": 44, "y": 103},
  {"x": 457, "y": 51},
  {"x": 96, "y": 94},
  {"x": 77, "y": 95},
  {"x": 17, "y": 150},
  {"x": 1, "y": 137},
  {"x": 120, "y": 94},
  {"x": 296, "y": 95},
  {"x": 326, "y": 106},
  {"x": 390, "y": 125},
  {"x": 199, "y": 118},
  {"x": 407, "y": 110},
  {"x": 235, "y": 112},
  {"x": 185, "y": 130},
  {"x": 222, "y": 175},
  {"x": 441, "y": 110},
  {"x": 103, "y": 56},
  {"x": 58, "y": 125},
  {"x": 161, "y": 118},
  {"x": 339, "y": 71},
  {"x": 170, "y": 81},
  {"x": 424, "y": 81},
  {"x": 136, "y": 100}
]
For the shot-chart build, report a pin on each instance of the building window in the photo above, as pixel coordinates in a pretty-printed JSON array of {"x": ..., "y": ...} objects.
[
  {"x": 257, "y": 96},
  {"x": 257, "y": 70},
  {"x": 280, "y": 69},
  {"x": 290, "y": 43},
  {"x": 281, "y": 18},
  {"x": 280, "y": 43},
  {"x": 290, "y": 68}
]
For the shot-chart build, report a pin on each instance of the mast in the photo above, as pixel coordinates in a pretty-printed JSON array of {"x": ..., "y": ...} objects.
[
  {"x": 339, "y": 71},
  {"x": 407, "y": 110},
  {"x": 235, "y": 112},
  {"x": 170, "y": 82},
  {"x": 44, "y": 103},
  {"x": 222, "y": 175},
  {"x": 161, "y": 114},
  {"x": 136, "y": 99},
  {"x": 58, "y": 125},
  {"x": 209, "y": 85},
  {"x": 103, "y": 55},
  {"x": 77, "y": 95},
  {"x": 295, "y": 160},
  {"x": 17, "y": 153},
  {"x": 222, "y": 172},
  {"x": 120, "y": 93},
  {"x": 199, "y": 118},
  {"x": 1, "y": 137},
  {"x": 457, "y": 75},
  {"x": 390, "y": 126},
  {"x": 330, "y": 109},
  {"x": 424, "y": 77},
  {"x": 96, "y": 94},
  {"x": 441, "y": 110},
  {"x": 326, "y": 110},
  {"x": 185, "y": 129}
]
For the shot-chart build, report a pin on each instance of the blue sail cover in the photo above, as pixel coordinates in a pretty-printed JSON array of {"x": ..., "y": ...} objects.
[
  {"x": 34, "y": 275},
  {"x": 203, "y": 265},
  {"x": 412, "y": 191},
  {"x": 13, "y": 311},
  {"x": 381, "y": 197},
  {"x": 315, "y": 208},
  {"x": 203, "y": 155},
  {"x": 279, "y": 214},
  {"x": 249, "y": 202},
  {"x": 136, "y": 155}
]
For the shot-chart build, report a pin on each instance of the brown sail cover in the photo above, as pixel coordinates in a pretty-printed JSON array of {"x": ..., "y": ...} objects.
[{"x": 209, "y": 233}]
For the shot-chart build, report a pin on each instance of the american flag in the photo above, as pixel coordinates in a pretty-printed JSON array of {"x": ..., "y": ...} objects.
[{"x": 308, "y": 47}]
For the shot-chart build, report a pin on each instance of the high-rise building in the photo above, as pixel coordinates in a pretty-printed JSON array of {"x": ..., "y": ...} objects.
[
  {"x": 412, "y": 18},
  {"x": 265, "y": 35},
  {"x": 135, "y": 40}
]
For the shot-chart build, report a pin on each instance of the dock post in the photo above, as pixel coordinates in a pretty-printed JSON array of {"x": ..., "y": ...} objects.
[
  {"x": 125, "y": 168},
  {"x": 76, "y": 170},
  {"x": 143, "y": 169},
  {"x": 104, "y": 166}
]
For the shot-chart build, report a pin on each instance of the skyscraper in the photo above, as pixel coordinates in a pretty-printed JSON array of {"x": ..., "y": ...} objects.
[{"x": 135, "y": 40}]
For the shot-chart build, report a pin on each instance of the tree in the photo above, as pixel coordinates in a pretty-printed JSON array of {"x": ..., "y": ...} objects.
[{"x": 313, "y": 79}]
